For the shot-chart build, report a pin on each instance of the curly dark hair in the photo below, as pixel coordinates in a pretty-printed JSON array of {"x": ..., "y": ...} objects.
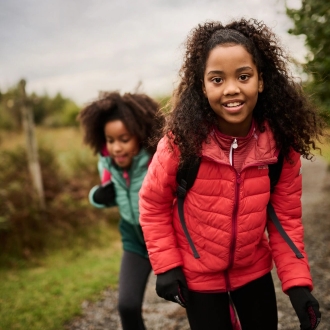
[
  {"x": 291, "y": 115},
  {"x": 138, "y": 112}
]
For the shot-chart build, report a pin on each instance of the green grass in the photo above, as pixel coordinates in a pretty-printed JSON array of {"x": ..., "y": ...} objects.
[
  {"x": 325, "y": 147},
  {"x": 326, "y": 152},
  {"x": 47, "y": 296},
  {"x": 46, "y": 289},
  {"x": 67, "y": 143}
]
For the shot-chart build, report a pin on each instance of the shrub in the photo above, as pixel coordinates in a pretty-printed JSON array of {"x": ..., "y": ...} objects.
[{"x": 26, "y": 230}]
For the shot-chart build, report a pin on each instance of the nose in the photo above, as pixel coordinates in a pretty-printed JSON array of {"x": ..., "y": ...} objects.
[
  {"x": 116, "y": 147},
  {"x": 231, "y": 87}
]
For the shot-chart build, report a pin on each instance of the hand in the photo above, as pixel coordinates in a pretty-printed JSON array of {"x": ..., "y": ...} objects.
[
  {"x": 172, "y": 286},
  {"x": 104, "y": 194},
  {"x": 306, "y": 307}
]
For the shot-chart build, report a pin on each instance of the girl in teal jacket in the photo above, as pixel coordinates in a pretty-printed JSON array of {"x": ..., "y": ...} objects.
[{"x": 117, "y": 127}]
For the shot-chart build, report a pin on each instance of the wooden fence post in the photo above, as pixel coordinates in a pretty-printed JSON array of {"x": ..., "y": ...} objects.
[{"x": 31, "y": 145}]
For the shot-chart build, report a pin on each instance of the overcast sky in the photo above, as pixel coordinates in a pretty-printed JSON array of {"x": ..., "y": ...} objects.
[{"x": 81, "y": 47}]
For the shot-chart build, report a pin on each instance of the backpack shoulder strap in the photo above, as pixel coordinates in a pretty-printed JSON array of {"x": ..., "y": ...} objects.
[
  {"x": 185, "y": 178},
  {"x": 275, "y": 171},
  {"x": 283, "y": 233},
  {"x": 187, "y": 173},
  {"x": 274, "y": 175}
]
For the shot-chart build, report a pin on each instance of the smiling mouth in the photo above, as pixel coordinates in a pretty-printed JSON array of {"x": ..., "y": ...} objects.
[
  {"x": 233, "y": 104},
  {"x": 119, "y": 158}
]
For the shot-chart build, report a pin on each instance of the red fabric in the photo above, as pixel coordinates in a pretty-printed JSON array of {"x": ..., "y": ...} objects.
[
  {"x": 225, "y": 213},
  {"x": 244, "y": 146},
  {"x": 234, "y": 320},
  {"x": 106, "y": 176},
  {"x": 104, "y": 151}
]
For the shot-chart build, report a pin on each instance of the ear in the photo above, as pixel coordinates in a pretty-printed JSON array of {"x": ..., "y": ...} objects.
[
  {"x": 260, "y": 84},
  {"x": 203, "y": 88}
]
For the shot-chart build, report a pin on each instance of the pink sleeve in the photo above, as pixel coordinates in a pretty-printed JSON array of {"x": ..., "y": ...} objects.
[{"x": 106, "y": 176}]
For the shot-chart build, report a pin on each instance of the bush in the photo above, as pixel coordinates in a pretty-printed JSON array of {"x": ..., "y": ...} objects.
[{"x": 26, "y": 230}]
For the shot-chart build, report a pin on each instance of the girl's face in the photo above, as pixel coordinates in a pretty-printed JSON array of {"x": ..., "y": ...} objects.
[
  {"x": 231, "y": 85},
  {"x": 121, "y": 144}
]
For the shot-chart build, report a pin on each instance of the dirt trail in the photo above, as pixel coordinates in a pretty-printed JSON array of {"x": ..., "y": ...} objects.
[
  {"x": 162, "y": 315},
  {"x": 316, "y": 220}
]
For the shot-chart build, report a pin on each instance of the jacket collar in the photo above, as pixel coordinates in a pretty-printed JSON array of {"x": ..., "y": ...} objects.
[{"x": 263, "y": 152}]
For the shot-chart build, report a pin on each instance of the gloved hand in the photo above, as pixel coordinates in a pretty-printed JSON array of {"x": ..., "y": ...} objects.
[
  {"x": 306, "y": 307},
  {"x": 104, "y": 194},
  {"x": 172, "y": 286}
]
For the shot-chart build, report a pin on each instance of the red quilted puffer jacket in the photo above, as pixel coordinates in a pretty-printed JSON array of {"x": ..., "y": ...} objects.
[{"x": 225, "y": 212}]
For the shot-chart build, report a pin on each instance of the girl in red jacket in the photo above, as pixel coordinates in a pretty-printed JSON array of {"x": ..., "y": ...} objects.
[{"x": 236, "y": 107}]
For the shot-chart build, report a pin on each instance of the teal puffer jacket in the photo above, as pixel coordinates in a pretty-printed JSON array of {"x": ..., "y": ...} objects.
[{"x": 127, "y": 185}]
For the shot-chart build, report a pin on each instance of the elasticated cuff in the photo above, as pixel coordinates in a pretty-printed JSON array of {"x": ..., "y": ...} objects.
[{"x": 91, "y": 198}]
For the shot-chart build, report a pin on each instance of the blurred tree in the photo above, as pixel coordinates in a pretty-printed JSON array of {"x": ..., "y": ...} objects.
[
  {"x": 312, "y": 20},
  {"x": 49, "y": 111},
  {"x": 61, "y": 111},
  {"x": 10, "y": 115}
]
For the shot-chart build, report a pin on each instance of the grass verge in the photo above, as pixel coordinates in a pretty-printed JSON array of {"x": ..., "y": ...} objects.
[
  {"x": 72, "y": 256},
  {"x": 48, "y": 295}
]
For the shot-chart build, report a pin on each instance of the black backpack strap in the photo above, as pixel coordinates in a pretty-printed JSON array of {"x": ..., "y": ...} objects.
[
  {"x": 276, "y": 222},
  {"x": 275, "y": 171},
  {"x": 274, "y": 175},
  {"x": 185, "y": 177}
]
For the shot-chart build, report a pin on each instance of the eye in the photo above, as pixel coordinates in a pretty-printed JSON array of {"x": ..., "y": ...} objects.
[
  {"x": 217, "y": 80},
  {"x": 244, "y": 77},
  {"x": 126, "y": 139}
]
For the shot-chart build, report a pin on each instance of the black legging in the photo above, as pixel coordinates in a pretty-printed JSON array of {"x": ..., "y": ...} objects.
[
  {"x": 134, "y": 273},
  {"x": 255, "y": 303}
]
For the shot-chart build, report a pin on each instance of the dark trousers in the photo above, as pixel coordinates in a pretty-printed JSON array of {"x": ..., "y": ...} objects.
[
  {"x": 255, "y": 303},
  {"x": 134, "y": 273}
]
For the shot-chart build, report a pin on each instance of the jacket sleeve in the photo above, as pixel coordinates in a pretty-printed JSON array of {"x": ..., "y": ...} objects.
[
  {"x": 286, "y": 200},
  {"x": 105, "y": 176},
  {"x": 156, "y": 207}
]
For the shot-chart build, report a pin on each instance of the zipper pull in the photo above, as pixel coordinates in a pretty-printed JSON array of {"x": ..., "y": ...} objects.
[
  {"x": 234, "y": 145},
  {"x": 126, "y": 177}
]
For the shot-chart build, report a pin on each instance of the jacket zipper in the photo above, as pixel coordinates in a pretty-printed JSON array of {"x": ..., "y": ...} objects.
[
  {"x": 232, "y": 248},
  {"x": 234, "y": 146},
  {"x": 127, "y": 178},
  {"x": 234, "y": 218},
  {"x": 234, "y": 231}
]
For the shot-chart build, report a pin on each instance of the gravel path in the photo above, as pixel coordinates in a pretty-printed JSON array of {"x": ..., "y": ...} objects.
[{"x": 162, "y": 315}]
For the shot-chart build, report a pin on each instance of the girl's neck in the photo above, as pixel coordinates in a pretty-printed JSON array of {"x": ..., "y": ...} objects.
[{"x": 239, "y": 134}]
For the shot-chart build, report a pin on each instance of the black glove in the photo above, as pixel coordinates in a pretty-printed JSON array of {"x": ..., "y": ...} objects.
[
  {"x": 306, "y": 307},
  {"x": 104, "y": 194},
  {"x": 172, "y": 286}
]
